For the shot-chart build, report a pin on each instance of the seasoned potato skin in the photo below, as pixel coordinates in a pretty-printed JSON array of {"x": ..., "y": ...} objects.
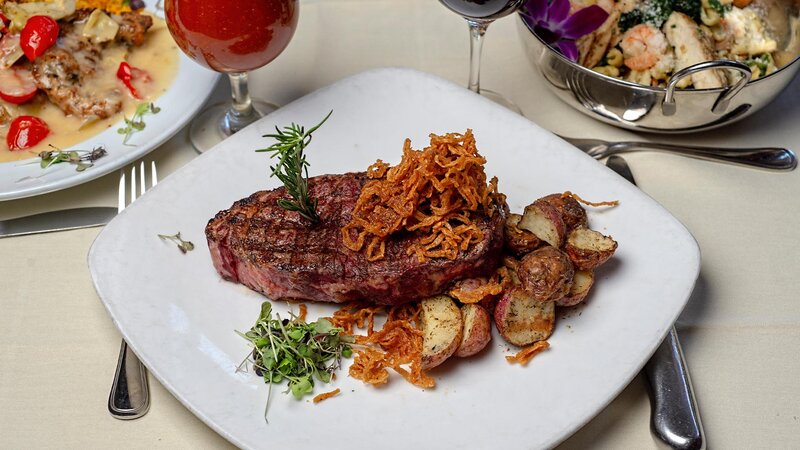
[
  {"x": 517, "y": 240},
  {"x": 572, "y": 213},
  {"x": 442, "y": 328},
  {"x": 582, "y": 281},
  {"x": 477, "y": 330},
  {"x": 522, "y": 320},
  {"x": 545, "y": 222},
  {"x": 546, "y": 274},
  {"x": 588, "y": 249}
]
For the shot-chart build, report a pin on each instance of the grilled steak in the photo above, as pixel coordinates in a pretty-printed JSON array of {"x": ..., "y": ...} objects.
[{"x": 276, "y": 252}]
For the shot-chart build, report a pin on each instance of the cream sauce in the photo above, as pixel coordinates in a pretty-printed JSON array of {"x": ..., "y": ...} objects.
[{"x": 158, "y": 56}]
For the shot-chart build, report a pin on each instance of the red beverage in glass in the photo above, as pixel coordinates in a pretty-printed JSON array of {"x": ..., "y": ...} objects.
[{"x": 232, "y": 35}]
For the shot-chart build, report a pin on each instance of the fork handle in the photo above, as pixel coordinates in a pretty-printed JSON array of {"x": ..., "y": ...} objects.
[
  {"x": 675, "y": 416},
  {"x": 130, "y": 394},
  {"x": 773, "y": 158}
]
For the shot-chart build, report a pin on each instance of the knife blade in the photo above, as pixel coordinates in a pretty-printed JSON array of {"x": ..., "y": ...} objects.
[
  {"x": 65, "y": 219},
  {"x": 675, "y": 418}
]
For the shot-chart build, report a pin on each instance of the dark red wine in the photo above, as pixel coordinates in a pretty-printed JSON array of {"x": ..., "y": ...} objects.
[{"x": 482, "y": 9}]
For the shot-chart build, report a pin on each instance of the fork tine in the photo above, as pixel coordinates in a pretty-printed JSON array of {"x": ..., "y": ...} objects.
[
  {"x": 121, "y": 199},
  {"x": 133, "y": 183},
  {"x": 155, "y": 174},
  {"x": 142, "y": 185}
]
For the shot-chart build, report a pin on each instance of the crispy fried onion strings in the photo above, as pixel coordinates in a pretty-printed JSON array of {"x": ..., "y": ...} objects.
[
  {"x": 327, "y": 395},
  {"x": 433, "y": 192},
  {"x": 526, "y": 354},
  {"x": 397, "y": 345},
  {"x": 588, "y": 203}
]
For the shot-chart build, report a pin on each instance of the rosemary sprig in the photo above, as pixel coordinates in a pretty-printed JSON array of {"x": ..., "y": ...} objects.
[
  {"x": 82, "y": 159},
  {"x": 136, "y": 123},
  {"x": 295, "y": 351},
  {"x": 292, "y": 167},
  {"x": 183, "y": 246}
]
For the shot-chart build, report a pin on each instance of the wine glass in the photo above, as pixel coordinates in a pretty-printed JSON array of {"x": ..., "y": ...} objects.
[
  {"x": 479, "y": 14},
  {"x": 232, "y": 37}
]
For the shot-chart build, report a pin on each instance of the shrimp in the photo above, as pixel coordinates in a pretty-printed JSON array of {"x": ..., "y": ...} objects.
[{"x": 643, "y": 46}]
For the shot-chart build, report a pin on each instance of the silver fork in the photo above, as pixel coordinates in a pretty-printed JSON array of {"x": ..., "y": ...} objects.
[{"x": 130, "y": 394}]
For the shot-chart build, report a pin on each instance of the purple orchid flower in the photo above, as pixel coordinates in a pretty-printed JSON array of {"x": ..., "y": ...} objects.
[{"x": 550, "y": 20}]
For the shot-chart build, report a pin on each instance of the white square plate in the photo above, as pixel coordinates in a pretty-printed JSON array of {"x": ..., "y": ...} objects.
[{"x": 180, "y": 316}]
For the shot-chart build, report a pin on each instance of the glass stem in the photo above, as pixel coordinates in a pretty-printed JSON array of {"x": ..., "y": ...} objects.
[
  {"x": 476, "y": 32},
  {"x": 242, "y": 112}
]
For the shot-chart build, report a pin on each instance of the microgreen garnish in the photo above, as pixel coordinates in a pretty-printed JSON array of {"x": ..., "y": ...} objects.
[
  {"x": 183, "y": 246},
  {"x": 292, "y": 167},
  {"x": 136, "y": 123},
  {"x": 82, "y": 159},
  {"x": 293, "y": 350}
]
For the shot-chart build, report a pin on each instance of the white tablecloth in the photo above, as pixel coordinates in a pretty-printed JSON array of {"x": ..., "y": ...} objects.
[{"x": 740, "y": 331}]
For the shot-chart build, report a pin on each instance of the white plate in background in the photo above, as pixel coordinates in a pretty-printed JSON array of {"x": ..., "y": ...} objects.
[
  {"x": 179, "y": 315},
  {"x": 193, "y": 84}
]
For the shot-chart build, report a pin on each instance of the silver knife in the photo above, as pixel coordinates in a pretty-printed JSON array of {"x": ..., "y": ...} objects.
[
  {"x": 772, "y": 158},
  {"x": 66, "y": 219},
  {"x": 675, "y": 418}
]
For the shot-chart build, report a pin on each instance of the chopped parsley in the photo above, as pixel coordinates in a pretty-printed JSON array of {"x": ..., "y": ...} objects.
[{"x": 656, "y": 12}]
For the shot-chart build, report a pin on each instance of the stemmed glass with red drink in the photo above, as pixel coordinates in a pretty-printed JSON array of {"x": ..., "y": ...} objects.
[
  {"x": 479, "y": 14},
  {"x": 232, "y": 37}
]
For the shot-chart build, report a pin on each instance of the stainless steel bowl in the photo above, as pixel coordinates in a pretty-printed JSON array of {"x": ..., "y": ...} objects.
[{"x": 671, "y": 110}]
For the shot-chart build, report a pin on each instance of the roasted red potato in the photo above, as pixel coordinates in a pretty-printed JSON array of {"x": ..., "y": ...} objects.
[
  {"x": 442, "y": 328},
  {"x": 588, "y": 249},
  {"x": 582, "y": 281},
  {"x": 477, "y": 330},
  {"x": 543, "y": 220},
  {"x": 523, "y": 320},
  {"x": 546, "y": 274},
  {"x": 572, "y": 213},
  {"x": 517, "y": 240}
]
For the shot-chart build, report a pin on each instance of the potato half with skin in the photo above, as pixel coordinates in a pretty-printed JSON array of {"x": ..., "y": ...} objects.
[
  {"x": 442, "y": 328},
  {"x": 523, "y": 320},
  {"x": 582, "y": 281},
  {"x": 517, "y": 240},
  {"x": 546, "y": 274},
  {"x": 572, "y": 213},
  {"x": 544, "y": 220},
  {"x": 477, "y": 330},
  {"x": 588, "y": 249}
]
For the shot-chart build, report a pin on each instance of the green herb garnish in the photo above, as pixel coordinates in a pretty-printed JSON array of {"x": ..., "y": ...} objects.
[
  {"x": 136, "y": 123},
  {"x": 82, "y": 159},
  {"x": 656, "y": 12},
  {"x": 292, "y": 167},
  {"x": 296, "y": 351},
  {"x": 183, "y": 246},
  {"x": 762, "y": 62}
]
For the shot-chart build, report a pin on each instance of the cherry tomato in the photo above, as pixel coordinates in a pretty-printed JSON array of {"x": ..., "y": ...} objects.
[
  {"x": 25, "y": 132},
  {"x": 39, "y": 34},
  {"x": 17, "y": 85},
  {"x": 131, "y": 76}
]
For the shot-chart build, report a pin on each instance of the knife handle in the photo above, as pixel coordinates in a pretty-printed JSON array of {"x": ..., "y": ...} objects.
[
  {"x": 772, "y": 158},
  {"x": 675, "y": 416}
]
